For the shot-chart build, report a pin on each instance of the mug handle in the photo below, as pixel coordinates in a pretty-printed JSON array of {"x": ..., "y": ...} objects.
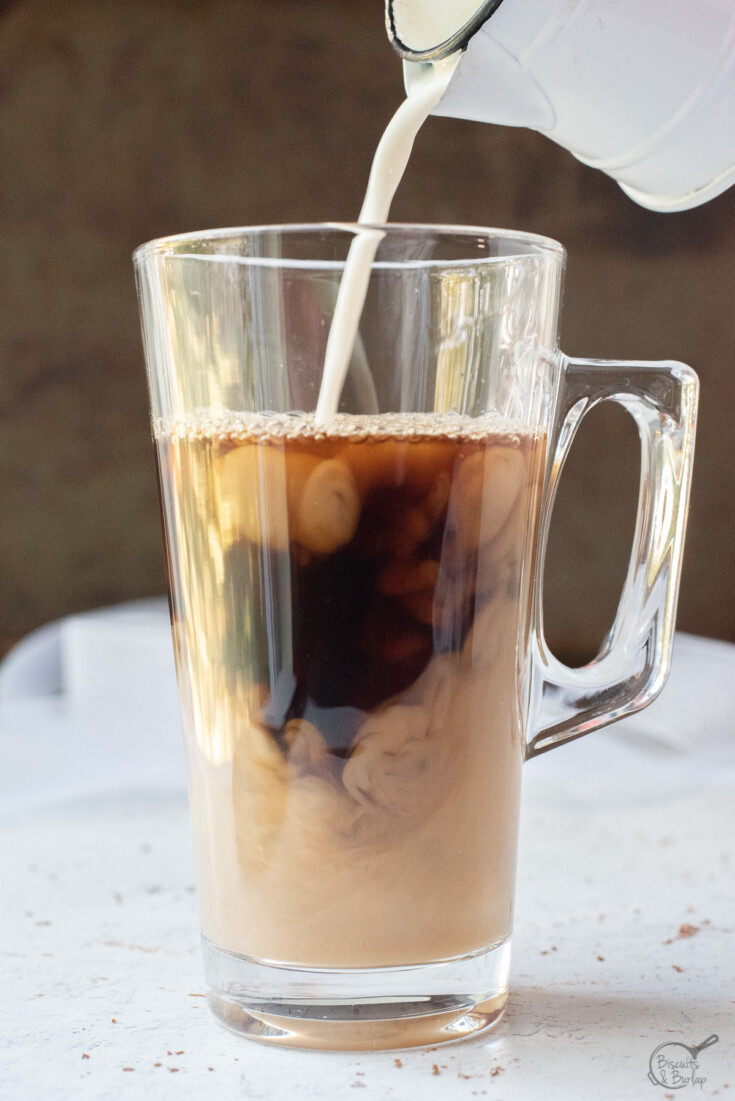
[{"x": 633, "y": 663}]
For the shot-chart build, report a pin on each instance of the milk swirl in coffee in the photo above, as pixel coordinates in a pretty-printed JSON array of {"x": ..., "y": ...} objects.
[
  {"x": 351, "y": 606},
  {"x": 353, "y": 602}
]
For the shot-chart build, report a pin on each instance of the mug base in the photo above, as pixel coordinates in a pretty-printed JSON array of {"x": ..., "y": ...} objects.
[{"x": 369, "y": 1009}]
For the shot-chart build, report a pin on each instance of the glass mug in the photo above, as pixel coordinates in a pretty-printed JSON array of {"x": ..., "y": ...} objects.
[{"x": 356, "y": 607}]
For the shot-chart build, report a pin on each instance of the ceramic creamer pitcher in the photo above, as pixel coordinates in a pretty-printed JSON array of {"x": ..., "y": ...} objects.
[{"x": 642, "y": 89}]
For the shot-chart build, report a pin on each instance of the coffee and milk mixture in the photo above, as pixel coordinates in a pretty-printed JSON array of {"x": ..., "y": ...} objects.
[{"x": 351, "y": 607}]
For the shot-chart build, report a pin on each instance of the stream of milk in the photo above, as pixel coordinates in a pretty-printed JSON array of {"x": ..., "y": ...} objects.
[{"x": 389, "y": 164}]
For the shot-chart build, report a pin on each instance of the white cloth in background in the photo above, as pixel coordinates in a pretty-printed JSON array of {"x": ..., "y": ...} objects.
[{"x": 88, "y": 706}]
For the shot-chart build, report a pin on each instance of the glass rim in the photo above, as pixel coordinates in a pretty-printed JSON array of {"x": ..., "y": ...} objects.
[{"x": 534, "y": 244}]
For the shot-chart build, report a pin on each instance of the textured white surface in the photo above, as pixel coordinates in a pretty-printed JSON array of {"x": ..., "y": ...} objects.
[
  {"x": 100, "y": 957},
  {"x": 626, "y": 836}
]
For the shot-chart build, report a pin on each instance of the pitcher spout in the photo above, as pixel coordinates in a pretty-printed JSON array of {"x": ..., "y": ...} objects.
[{"x": 490, "y": 85}]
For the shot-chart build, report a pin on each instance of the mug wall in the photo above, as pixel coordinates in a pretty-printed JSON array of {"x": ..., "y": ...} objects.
[{"x": 119, "y": 123}]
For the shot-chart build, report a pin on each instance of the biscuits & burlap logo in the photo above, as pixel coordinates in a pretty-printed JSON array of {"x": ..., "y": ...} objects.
[{"x": 676, "y": 1065}]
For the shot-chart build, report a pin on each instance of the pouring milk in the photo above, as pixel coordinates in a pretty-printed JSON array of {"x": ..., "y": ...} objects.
[{"x": 389, "y": 164}]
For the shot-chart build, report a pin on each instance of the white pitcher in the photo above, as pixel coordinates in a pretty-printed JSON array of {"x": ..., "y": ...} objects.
[{"x": 642, "y": 89}]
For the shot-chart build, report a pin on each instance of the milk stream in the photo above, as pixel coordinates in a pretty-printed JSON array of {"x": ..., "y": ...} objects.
[{"x": 389, "y": 164}]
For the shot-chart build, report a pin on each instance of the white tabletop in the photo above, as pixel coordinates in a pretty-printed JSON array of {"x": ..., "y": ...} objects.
[{"x": 623, "y": 853}]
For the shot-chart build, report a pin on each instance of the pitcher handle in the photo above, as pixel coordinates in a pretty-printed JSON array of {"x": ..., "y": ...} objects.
[{"x": 633, "y": 663}]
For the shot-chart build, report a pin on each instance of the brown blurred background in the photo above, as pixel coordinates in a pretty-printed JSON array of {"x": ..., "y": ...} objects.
[{"x": 122, "y": 120}]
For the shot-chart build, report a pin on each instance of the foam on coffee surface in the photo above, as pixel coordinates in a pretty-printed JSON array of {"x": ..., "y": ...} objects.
[{"x": 221, "y": 425}]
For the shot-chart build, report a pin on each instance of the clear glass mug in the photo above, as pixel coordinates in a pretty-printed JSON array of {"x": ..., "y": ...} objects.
[{"x": 356, "y": 607}]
